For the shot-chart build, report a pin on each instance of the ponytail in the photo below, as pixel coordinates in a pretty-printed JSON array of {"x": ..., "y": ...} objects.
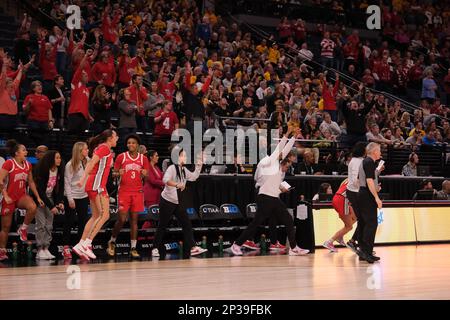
[
  {"x": 12, "y": 146},
  {"x": 99, "y": 139}
]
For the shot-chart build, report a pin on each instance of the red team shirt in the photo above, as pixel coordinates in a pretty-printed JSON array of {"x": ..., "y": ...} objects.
[
  {"x": 99, "y": 175},
  {"x": 39, "y": 108},
  {"x": 131, "y": 180},
  {"x": 167, "y": 124}
]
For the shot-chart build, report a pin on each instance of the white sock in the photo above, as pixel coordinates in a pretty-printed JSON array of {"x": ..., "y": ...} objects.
[
  {"x": 24, "y": 226},
  {"x": 87, "y": 242},
  {"x": 133, "y": 243},
  {"x": 113, "y": 239}
]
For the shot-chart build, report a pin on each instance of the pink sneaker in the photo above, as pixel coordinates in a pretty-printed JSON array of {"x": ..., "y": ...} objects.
[
  {"x": 250, "y": 245},
  {"x": 78, "y": 249},
  {"x": 197, "y": 250},
  {"x": 88, "y": 251},
  {"x": 297, "y": 251},
  {"x": 66, "y": 253},
  {"x": 236, "y": 250},
  {"x": 23, "y": 234},
  {"x": 329, "y": 245}
]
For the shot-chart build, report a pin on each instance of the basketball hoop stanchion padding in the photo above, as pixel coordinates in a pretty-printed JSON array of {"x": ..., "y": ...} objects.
[{"x": 304, "y": 229}]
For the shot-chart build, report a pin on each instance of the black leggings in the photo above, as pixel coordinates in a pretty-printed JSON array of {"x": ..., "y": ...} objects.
[
  {"x": 268, "y": 206},
  {"x": 81, "y": 210},
  {"x": 273, "y": 231},
  {"x": 166, "y": 210}
]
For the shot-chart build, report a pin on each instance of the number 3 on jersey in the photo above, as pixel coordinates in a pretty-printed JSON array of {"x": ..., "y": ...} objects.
[{"x": 133, "y": 174}]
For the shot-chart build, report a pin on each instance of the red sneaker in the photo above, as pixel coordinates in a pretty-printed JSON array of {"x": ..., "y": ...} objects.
[
  {"x": 277, "y": 247},
  {"x": 66, "y": 253},
  {"x": 280, "y": 246},
  {"x": 250, "y": 245},
  {"x": 147, "y": 225},
  {"x": 23, "y": 234},
  {"x": 3, "y": 255}
]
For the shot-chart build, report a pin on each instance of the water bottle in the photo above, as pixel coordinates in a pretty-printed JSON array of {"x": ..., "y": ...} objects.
[
  {"x": 15, "y": 252},
  {"x": 180, "y": 249},
  {"x": 263, "y": 244},
  {"x": 204, "y": 243},
  {"x": 29, "y": 250},
  {"x": 220, "y": 246}
]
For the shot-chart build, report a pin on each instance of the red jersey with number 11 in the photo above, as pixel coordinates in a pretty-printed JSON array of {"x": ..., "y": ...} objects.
[
  {"x": 131, "y": 180},
  {"x": 17, "y": 178}
]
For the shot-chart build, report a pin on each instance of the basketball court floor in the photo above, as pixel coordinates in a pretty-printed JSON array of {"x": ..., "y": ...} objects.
[{"x": 405, "y": 272}]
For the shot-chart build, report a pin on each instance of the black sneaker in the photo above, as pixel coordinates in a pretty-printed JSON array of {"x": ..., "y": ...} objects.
[
  {"x": 351, "y": 244},
  {"x": 375, "y": 258},
  {"x": 367, "y": 258}
]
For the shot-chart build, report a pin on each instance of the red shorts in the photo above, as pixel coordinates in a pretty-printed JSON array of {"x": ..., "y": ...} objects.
[
  {"x": 339, "y": 204},
  {"x": 7, "y": 209},
  {"x": 131, "y": 201},
  {"x": 93, "y": 194}
]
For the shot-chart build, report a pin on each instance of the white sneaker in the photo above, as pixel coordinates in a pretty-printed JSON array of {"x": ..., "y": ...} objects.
[
  {"x": 79, "y": 250},
  {"x": 155, "y": 253},
  {"x": 197, "y": 250},
  {"x": 236, "y": 249},
  {"x": 297, "y": 251},
  {"x": 41, "y": 255},
  {"x": 49, "y": 255},
  {"x": 88, "y": 251}
]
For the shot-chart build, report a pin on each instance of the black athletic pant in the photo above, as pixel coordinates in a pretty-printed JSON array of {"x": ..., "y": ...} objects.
[
  {"x": 354, "y": 201},
  {"x": 166, "y": 210},
  {"x": 273, "y": 231},
  {"x": 369, "y": 217},
  {"x": 269, "y": 206},
  {"x": 81, "y": 210}
]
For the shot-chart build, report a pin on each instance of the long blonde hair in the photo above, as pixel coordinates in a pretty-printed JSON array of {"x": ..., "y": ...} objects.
[{"x": 76, "y": 155}]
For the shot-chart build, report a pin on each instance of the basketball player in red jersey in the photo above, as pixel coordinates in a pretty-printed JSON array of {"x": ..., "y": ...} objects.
[
  {"x": 346, "y": 214},
  {"x": 131, "y": 166},
  {"x": 17, "y": 172},
  {"x": 96, "y": 174}
]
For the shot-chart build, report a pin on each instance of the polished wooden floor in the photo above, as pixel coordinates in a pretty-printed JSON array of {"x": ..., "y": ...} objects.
[{"x": 405, "y": 272}]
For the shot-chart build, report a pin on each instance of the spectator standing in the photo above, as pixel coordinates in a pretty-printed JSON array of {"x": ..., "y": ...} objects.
[
  {"x": 8, "y": 97},
  {"x": 78, "y": 115},
  {"x": 429, "y": 87},
  {"x": 154, "y": 182},
  {"x": 327, "y": 50},
  {"x": 101, "y": 106},
  {"x": 58, "y": 99},
  {"x": 166, "y": 121},
  {"x": 127, "y": 109}
]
